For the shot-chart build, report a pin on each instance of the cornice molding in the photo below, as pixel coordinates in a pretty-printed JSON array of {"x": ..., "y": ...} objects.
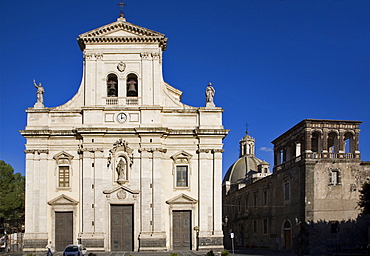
[
  {"x": 162, "y": 150},
  {"x": 121, "y": 25},
  {"x": 36, "y": 151}
]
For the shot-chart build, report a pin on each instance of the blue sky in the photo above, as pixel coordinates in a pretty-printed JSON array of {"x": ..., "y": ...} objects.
[{"x": 273, "y": 63}]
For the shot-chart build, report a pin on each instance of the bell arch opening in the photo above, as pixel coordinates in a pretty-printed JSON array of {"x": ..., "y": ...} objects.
[
  {"x": 112, "y": 85},
  {"x": 132, "y": 85}
]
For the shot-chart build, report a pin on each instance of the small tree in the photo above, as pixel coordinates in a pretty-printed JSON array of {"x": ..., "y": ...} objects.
[
  {"x": 364, "y": 202},
  {"x": 12, "y": 188}
]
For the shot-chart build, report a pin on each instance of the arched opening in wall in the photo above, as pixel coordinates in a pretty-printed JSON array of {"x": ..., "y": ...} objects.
[
  {"x": 290, "y": 150},
  {"x": 316, "y": 143},
  {"x": 299, "y": 145},
  {"x": 349, "y": 143},
  {"x": 122, "y": 170},
  {"x": 287, "y": 235},
  {"x": 332, "y": 144},
  {"x": 132, "y": 85},
  {"x": 280, "y": 156},
  {"x": 112, "y": 85}
]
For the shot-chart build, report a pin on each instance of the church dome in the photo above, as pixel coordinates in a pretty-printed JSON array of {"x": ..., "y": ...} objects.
[
  {"x": 247, "y": 168},
  {"x": 238, "y": 170}
]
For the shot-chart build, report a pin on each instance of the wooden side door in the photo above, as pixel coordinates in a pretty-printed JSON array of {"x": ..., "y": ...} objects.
[
  {"x": 181, "y": 230},
  {"x": 63, "y": 230},
  {"x": 122, "y": 228}
]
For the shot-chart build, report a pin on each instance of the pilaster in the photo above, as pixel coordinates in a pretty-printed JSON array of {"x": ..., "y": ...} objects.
[
  {"x": 36, "y": 236},
  {"x": 147, "y": 78}
]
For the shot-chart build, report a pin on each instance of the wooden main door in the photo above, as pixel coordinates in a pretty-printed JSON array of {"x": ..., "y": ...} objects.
[
  {"x": 181, "y": 230},
  {"x": 63, "y": 230},
  {"x": 122, "y": 228}
]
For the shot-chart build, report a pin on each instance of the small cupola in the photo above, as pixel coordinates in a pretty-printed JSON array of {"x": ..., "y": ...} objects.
[{"x": 247, "y": 145}]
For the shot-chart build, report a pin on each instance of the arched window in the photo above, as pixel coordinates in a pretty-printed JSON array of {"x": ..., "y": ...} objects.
[
  {"x": 132, "y": 85},
  {"x": 348, "y": 143},
  {"x": 112, "y": 85},
  {"x": 316, "y": 142},
  {"x": 332, "y": 144}
]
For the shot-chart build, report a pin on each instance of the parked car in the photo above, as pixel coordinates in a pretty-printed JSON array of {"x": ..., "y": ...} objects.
[{"x": 75, "y": 250}]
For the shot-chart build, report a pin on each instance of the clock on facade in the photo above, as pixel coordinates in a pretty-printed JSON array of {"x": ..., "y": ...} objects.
[{"x": 121, "y": 117}]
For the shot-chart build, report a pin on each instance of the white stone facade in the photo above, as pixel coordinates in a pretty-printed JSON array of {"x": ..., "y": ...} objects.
[{"x": 124, "y": 139}]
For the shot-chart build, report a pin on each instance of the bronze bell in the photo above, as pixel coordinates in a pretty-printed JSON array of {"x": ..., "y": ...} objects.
[{"x": 131, "y": 88}]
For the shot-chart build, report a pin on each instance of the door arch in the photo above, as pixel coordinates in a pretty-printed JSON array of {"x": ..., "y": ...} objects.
[{"x": 287, "y": 234}]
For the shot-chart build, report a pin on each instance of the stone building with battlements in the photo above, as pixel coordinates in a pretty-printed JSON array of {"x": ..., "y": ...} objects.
[{"x": 309, "y": 202}]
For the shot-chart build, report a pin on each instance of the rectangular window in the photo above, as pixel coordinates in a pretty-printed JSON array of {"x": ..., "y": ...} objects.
[
  {"x": 254, "y": 200},
  {"x": 287, "y": 190},
  {"x": 64, "y": 176},
  {"x": 182, "y": 176},
  {"x": 335, "y": 177},
  {"x": 265, "y": 227},
  {"x": 265, "y": 197},
  {"x": 254, "y": 227}
]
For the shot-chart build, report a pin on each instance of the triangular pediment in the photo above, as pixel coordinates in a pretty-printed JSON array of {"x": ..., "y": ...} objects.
[
  {"x": 121, "y": 28},
  {"x": 122, "y": 32},
  {"x": 64, "y": 155},
  {"x": 182, "y": 199},
  {"x": 111, "y": 191},
  {"x": 182, "y": 155},
  {"x": 63, "y": 200}
]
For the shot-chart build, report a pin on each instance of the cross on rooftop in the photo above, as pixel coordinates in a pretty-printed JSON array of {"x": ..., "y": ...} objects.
[{"x": 121, "y": 5}]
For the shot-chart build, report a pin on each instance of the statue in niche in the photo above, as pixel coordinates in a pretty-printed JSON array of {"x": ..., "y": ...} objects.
[
  {"x": 121, "y": 170},
  {"x": 39, "y": 93},
  {"x": 210, "y": 93}
]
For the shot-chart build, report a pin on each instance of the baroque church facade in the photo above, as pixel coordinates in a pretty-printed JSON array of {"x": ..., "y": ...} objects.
[
  {"x": 124, "y": 165},
  {"x": 309, "y": 202}
]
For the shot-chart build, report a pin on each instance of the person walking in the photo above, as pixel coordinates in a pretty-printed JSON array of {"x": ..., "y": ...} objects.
[{"x": 49, "y": 246}]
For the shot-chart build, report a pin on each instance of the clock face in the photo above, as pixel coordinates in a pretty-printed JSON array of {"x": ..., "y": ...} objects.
[{"x": 121, "y": 117}]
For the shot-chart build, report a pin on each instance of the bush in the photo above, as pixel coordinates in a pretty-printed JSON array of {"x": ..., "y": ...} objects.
[
  {"x": 225, "y": 253},
  {"x": 173, "y": 254},
  {"x": 210, "y": 253}
]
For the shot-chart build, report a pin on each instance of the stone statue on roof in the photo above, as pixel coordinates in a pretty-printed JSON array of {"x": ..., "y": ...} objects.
[
  {"x": 210, "y": 94},
  {"x": 40, "y": 94}
]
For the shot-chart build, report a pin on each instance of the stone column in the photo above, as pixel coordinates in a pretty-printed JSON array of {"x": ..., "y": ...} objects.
[
  {"x": 341, "y": 145},
  {"x": 157, "y": 78},
  {"x": 147, "y": 79},
  {"x": 307, "y": 139},
  {"x": 100, "y": 212},
  {"x": 89, "y": 78},
  {"x": 45, "y": 172},
  {"x": 88, "y": 193},
  {"x": 209, "y": 194},
  {"x": 217, "y": 193},
  {"x": 204, "y": 191},
  {"x": 356, "y": 143},
  {"x": 157, "y": 192},
  {"x": 146, "y": 191},
  {"x": 158, "y": 233},
  {"x": 36, "y": 235}
]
